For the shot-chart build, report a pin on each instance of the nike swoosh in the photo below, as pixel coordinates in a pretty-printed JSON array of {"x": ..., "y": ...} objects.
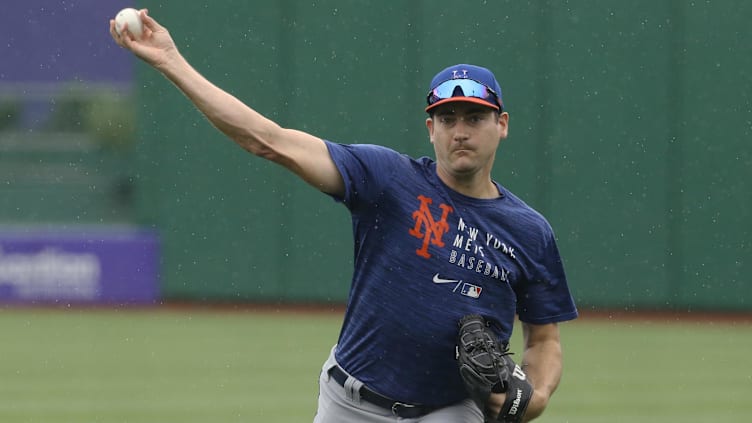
[{"x": 437, "y": 279}]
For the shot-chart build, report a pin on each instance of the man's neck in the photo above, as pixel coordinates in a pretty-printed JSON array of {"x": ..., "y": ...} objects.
[{"x": 476, "y": 186}]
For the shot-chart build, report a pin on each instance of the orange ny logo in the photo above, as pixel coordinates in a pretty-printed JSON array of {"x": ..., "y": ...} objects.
[{"x": 427, "y": 228}]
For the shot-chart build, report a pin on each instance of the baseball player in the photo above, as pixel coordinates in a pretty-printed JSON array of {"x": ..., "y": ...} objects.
[{"x": 445, "y": 256}]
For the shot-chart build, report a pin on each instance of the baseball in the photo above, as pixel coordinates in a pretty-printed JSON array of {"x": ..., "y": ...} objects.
[{"x": 131, "y": 17}]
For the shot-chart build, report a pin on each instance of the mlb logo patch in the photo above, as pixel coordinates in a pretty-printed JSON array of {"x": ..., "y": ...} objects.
[{"x": 470, "y": 290}]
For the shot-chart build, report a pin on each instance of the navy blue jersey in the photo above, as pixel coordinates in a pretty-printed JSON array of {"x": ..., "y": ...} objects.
[{"x": 425, "y": 256}]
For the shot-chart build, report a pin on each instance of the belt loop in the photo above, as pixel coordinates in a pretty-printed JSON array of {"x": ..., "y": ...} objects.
[{"x": 352, "y": 389}]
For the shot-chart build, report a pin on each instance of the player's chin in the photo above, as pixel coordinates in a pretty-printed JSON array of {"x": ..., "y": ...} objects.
[{"x": 464, "y": 162}]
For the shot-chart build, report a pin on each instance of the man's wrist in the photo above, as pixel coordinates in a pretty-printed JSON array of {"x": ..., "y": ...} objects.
[{"x": 538, "y": 403}]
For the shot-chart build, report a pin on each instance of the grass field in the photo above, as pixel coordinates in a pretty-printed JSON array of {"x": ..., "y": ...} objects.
[{"x": 201, "y": 366}]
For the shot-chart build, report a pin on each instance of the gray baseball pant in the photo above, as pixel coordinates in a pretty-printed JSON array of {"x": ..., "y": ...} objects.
[{"x": 338, "y": 404}]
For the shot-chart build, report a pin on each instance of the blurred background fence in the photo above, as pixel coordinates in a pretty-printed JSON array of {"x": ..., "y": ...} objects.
[{"x": 630, "y": 130}]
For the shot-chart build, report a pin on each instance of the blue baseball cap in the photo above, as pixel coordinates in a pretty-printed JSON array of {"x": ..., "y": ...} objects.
[{"x": 465, "y": 82}]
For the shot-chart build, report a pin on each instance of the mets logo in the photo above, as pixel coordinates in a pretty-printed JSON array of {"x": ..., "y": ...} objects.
[{"x": 427, "y": 228}]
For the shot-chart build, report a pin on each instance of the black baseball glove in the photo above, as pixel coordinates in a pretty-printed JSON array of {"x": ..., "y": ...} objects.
[{"x": 485, "y": 367}]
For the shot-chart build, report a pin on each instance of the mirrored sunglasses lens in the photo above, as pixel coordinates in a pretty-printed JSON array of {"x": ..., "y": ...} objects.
[{"x": 469, "y": 88}]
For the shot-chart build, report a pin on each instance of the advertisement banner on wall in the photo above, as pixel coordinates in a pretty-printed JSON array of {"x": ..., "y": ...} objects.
[{"x": 98, "y": 266}]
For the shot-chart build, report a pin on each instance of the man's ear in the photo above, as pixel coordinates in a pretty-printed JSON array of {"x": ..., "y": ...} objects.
[
  {"x": 429, "y": 125},
  {"x": 503, "y": 125}
]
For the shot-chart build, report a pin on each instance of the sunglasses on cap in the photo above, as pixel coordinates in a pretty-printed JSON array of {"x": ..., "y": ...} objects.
[{"x": 469, "y": 88}]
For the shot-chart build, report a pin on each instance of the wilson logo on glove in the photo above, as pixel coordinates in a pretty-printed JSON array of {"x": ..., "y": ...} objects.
[{"x": 518, "y": 373}]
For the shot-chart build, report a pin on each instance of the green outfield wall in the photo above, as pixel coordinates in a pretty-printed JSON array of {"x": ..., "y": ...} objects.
[{"x": 630, "y": 130}]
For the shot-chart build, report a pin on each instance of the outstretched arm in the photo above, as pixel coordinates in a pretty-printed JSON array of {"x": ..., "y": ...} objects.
[{"x": 300, "y": 152}]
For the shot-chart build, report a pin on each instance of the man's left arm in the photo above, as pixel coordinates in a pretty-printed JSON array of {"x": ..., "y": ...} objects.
[{"x": 542, "y": 362}]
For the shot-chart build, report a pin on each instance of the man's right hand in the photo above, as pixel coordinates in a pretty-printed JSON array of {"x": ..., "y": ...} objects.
[{"x": 155, "y": 46}]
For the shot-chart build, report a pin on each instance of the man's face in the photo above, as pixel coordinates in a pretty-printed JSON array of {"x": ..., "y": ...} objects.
[{"x": 465, "y": 137}]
